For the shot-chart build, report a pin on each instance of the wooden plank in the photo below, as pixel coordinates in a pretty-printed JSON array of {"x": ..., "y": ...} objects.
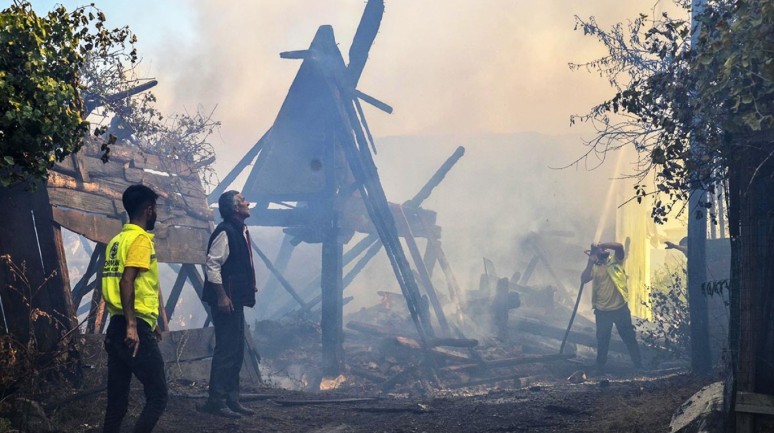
[
  {"x": 183, "y": 221},
  {"x": 82, "y": 200},
  {"x": 133, "y": 175},
  {"x": 750, "y": 402},
  {"x": 99, "y": 169},
  {"x": 80, "y": 168},
  {"x": 93, "y": 227},
  {"x": 58, "y": 180},
  {"x": 181, "y": 245}
]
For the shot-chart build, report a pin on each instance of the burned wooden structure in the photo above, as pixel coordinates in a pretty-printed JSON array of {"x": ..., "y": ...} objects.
[
  {"x": 85, "y": 198},
  {"x": 314, "y": 175},
  {"x": 83, "y": 195}
]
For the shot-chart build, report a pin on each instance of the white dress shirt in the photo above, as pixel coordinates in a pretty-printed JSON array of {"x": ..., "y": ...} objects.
[{"x": 217, "y": 256}]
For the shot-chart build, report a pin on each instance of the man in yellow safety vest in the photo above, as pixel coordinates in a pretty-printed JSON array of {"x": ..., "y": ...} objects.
[
  {"x": 608, "y": 297},
  {"x": 130, "y": 287}
]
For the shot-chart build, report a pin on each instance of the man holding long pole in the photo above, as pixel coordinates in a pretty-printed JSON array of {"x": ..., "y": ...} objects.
[{"x": 608, "y": 297}]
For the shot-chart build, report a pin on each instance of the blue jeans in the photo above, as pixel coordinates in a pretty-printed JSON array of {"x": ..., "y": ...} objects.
[{"x": 147, "y": 365}]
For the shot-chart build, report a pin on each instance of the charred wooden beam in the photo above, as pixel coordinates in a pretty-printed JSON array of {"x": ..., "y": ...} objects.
[
  {"x": 435, "y": 179},
  {"x": 285, "y": 283},
  {"x": 509, "y": 362},
  {"x": 96, "y": 261},
  {"x": 424, "y": 277},
  {"x": 519, "y": 380},
  {"x": 238, "y": 168},
  {"x": 281, "y": 263},
  {"x": 332, "y": 303},
  {"x": 363, "y": 168},
  {"x": 364, "y": 39},
  {"x": 174, "y": 294}
]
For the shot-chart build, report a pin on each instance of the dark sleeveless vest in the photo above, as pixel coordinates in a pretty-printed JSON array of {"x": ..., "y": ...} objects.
[{"x": 237, "y": 272}]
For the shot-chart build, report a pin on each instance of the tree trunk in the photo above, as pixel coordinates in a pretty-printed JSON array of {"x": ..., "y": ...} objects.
[{"x": 751, "y": 181}]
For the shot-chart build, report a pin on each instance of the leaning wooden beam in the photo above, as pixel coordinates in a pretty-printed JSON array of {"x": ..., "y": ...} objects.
[
  {"x": 314, "y": 285},
  {"x": 97, "y": 310},
  {"x": 530, "y": 269},
  {"x": 174, "y": 294},
  {"x": 541, "y": 254},
  {"x": 371, "y": 253},
  {"x": 435, "y": 179},
  {"x": 82, "y": 288},
  {"x": 281, "y": 263},
  {"x": 423, "y": 275},
  {"x": 237, "y": 170},
  {"x": 363, "y": 168},
  {"x": 278, "y": 275}
]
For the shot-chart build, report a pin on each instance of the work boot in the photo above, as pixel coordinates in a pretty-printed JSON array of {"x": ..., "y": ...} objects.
[
  {"x": 238, "y": 408},
  {"x": 219, "y": 410}
]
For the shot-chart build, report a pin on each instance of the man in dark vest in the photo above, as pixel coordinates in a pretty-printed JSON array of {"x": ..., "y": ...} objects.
[{"x": 229, "y": 287}]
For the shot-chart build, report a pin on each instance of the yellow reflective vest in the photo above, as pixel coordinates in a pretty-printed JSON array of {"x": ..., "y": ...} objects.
[
  {"x": 146, "y": 285},
  {"x": 609, "y": 290}
]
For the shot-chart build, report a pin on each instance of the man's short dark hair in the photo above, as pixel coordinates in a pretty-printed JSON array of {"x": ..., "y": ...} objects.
[
  {"x": 138, "y": 197},
  {"x": 226, "y": 204}
]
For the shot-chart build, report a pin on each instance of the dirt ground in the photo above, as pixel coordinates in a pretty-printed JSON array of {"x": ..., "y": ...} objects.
[{"x": 623, "y": 402}]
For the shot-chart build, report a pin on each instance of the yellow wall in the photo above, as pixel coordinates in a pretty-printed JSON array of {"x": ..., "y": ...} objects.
[{"x": 644, "y": 243}]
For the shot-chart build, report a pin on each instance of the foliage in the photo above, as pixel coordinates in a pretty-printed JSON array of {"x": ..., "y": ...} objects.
[
  {"x": 110, "y": 85},
  {"x": 684, "y": 108},
  {"x": 27, "y": 367},
  {"x": 669, "y": 330},
  {"x": 42, "y": 119}
]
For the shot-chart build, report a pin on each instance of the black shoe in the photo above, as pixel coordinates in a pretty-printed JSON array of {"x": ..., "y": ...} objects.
[
  {"x": 223, "y": 411},
  {"x": 238, "y": 408}
]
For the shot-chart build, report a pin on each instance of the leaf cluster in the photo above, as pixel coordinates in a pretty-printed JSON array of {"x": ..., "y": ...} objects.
[
  {"x": 41, "y": 109},
  {"x": 684, "y": 94},
  {"x": 669, "y": 329},
  {"x": 133, "y": 118}
]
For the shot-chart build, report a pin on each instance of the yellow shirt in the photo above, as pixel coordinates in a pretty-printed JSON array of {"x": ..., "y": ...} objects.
[
  {"x": 132, "y": 247},
  {"x": 609, "y": 289}
]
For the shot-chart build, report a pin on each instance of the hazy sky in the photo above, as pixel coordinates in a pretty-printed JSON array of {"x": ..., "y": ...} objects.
[{"x": 446, "y": 66}]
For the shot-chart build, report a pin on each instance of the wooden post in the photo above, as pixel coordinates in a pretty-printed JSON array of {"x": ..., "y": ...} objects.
[
  {"x": 332, "y": 306},
  {"x": 29, "y": 237}
]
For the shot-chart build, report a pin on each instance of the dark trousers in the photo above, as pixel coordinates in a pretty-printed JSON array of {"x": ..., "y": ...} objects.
[
  {"x": 147, "y": 365},
  {"x": 228, "y": 356},
  {"x": 622, "y": 318}
]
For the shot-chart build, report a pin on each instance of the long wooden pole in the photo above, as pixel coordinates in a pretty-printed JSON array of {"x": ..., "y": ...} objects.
[{"x": 572, "y": 319}]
